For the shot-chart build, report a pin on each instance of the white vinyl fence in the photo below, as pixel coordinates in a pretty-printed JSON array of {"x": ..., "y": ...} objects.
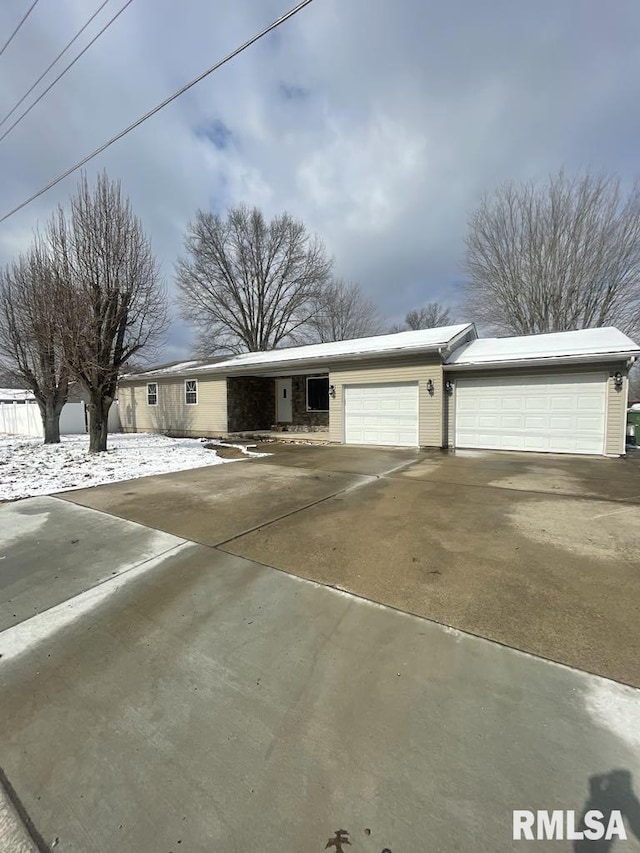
[{"x": 23, "y": 418}]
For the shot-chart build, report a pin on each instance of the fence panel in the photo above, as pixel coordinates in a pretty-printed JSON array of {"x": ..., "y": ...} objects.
[
  {"x": 72, "y": 421},
  {"x": 21, "y": 419}
]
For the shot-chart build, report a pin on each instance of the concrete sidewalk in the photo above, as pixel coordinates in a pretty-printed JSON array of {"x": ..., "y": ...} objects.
[
  {"x": 209, "y": 703},
  {"x": 14, "y": 836},
  {"x": 50, "y": 551}
]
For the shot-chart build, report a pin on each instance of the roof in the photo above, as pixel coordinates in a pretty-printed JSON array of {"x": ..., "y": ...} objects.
[
  {"x": 16, "y": 394},
  {"x": 584, "y": 344},
  {"x": 172, "y": 368},
  {"x": 398, "y": 343}
]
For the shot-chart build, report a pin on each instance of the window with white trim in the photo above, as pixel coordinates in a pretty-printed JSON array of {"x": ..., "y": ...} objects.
[
  {"x": 317, "y": 393},
  {"x": 152, "y": 393},
  {"x": 191, "y": 392}
]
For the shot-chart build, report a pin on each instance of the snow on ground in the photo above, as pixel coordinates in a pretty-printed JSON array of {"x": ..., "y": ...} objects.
[{"x": 29, "y": 468}]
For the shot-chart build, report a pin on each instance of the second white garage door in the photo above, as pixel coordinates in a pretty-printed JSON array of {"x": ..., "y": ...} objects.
[
  {"x": 555, "y": 414},
  {"x": 381, "y": 414}
]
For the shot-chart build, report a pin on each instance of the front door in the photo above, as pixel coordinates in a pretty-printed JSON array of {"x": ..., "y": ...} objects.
[{"x": 284, "y": 413}]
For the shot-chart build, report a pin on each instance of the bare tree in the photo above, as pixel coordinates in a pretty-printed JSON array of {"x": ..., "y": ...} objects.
[
  {"x": 433, "y": 314},
  {"x": 30, "y": 343},
  {"x": 248, "y": 284},
  {"x": 561, "y": 256},
  {"x": 341, "y": 312},
  {"x": 111, "y": 301}
]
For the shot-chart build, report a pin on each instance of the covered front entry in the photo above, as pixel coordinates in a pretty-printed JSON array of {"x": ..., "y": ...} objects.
[
  {"x": 382, "y": 413},
  {"x": 555, "y": 413}
]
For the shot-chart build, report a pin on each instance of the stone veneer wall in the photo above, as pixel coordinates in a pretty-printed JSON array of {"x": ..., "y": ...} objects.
[
  {"x": 301, "y": 417},
  {"x": 251, "y": 403}
]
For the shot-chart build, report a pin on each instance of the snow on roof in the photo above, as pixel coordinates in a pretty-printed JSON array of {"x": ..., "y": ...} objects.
[
  {"x": 423, "y": 339},
  {"x": 16, "y": 394},
  {"x": 172, "y": 367},
  {"x": 581, "y": 343}
]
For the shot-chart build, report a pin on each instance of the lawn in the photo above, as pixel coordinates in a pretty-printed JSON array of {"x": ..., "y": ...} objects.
[{"x": 29, "y": 468}]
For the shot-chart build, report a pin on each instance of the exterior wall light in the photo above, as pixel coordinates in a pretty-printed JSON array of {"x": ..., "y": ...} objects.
[
  {"x": 430, "y": 386},
  {"x": 617, "y": 380},
  {"x": 448, "y": 386},
  {"x": 332, "y": 390}
]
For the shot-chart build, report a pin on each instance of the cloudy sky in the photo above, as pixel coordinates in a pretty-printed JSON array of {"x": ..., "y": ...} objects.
[{"x": 378, "y": 123}]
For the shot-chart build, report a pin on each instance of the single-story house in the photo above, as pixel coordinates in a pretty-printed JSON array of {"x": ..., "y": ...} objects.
[{"x": 564, "y": 392}]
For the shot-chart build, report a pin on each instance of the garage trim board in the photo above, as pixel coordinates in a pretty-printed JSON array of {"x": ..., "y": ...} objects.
[
  {"x": 562, "y": 413},
  {"x": 381, "y": 413}
]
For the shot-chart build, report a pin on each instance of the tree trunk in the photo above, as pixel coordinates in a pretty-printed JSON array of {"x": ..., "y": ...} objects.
[
  {"x": 98, "y": 423},
  {"x": 50, "y": 413}
]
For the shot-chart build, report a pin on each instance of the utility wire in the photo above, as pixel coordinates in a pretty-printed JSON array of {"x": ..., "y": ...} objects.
[
  {"x": 160, "y": 106},
  {"x": 24, "y": 18},
  {"x": 59, "y": 56},
  {"x": 63, "y": 72}
]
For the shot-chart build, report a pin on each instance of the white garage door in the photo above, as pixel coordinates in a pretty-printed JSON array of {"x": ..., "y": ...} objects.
[
  {"x": 381, "y": 414},
  {"x": 556, "y": 414}
]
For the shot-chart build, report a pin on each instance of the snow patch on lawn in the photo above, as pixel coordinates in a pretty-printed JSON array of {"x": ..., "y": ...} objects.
[{"x": 29, "y": 468}]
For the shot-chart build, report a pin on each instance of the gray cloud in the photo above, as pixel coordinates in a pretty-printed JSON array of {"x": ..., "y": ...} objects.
[{"x": 379, "y": 124}]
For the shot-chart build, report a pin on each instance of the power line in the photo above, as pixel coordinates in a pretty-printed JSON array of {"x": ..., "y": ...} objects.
[
  {"x": 59, "y": 56},
  {"x": 160, "y": 106},
  {"x": 63, "y": 72},
  {"x": 24, "y": 18}
]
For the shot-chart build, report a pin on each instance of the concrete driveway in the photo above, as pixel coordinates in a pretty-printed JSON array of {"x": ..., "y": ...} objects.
[
  {"x": 175, "y": 697},
  {"x": 541, "y": 553}
]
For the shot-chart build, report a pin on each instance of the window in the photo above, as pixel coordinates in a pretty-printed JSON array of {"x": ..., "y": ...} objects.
[
  {"x": 191, "y": 392},
  {"x": 318, "y": 394},
  {"x": 152, "y": 393}
]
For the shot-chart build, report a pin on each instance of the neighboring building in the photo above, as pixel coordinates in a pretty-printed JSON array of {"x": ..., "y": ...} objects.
[{"x": 564, "y": 392}]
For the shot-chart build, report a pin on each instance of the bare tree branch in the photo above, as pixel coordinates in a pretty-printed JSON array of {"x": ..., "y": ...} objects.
[
  {"x": 562, "y": 256},
  {"x": 431, "y": 316},
  {"x": 30, "y": 342},
  {"x": 249, "y": 284},
  {"x": 341, "y": 312},
  {"x": 110, "y": 298}
]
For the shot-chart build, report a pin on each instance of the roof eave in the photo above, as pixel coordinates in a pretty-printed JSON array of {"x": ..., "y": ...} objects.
[
  {"x": 323, "y": 361},
  {"x": 544, "y": 361}
]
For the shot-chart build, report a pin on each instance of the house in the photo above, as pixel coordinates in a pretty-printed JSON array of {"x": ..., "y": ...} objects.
[{"x": 564, "y": 392}]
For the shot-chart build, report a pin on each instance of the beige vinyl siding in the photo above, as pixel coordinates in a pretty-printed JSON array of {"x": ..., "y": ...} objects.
[
  {"x": 615, "y": 439},
  {"x": 206, "y": 417},
  {"x": 398, "y": 370},
  {"x": 616, "y": 399},
  {"x": 449, "y": 426}
]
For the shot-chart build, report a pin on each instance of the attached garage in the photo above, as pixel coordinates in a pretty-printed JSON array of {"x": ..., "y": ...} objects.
[
  {"x": 562, "y": 392},
  {"x": 556, "y": 413},
  {"x": 382, "y": 413}
]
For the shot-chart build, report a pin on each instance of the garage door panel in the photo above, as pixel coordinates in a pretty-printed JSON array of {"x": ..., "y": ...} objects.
[
  {"x": 385, "y": 413},
  {"x": 508, "y": 422},
  {"x": 560, "y": 423},
  {"x": 534, "y": 422},
  {"x": 562, "y": 413}
]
